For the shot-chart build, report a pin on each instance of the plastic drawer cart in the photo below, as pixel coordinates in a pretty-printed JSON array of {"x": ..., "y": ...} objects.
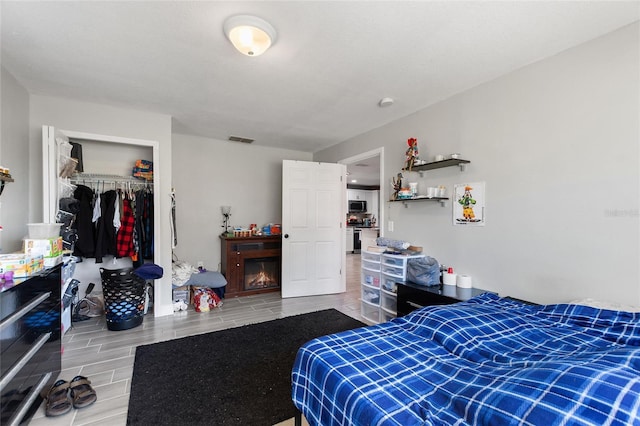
[
  {"x": 371, "y": 264},
  {"x": 393, "y": 269}
]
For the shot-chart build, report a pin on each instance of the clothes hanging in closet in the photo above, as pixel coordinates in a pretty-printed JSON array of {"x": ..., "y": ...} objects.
[
  {"x": 125, "y": 238},
  {"x": 143, "y": 226},
  {"x": 108, "y": 224},
  {"x": 105, "y": 231},
  {"x": 147, "y": 247}
]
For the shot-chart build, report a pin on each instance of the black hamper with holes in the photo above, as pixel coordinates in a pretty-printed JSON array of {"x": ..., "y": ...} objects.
[{"x": 123, "y": 298}]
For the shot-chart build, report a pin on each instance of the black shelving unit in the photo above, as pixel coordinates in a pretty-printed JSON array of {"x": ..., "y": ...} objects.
[
  {"x": 439, "y": 165},
  {"x": 441, "y": 200}
]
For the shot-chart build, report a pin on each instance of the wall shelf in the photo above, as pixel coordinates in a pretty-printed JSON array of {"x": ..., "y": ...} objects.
[
  {"x": 406, "y": 201},
  {"x": 450, "y": 162}
]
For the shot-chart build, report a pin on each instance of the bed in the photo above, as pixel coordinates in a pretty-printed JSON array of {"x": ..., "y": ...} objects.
[{"x": 487, "y": 361}]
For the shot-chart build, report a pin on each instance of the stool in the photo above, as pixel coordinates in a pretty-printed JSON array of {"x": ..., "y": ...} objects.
[{"x": 212, "y": 279}]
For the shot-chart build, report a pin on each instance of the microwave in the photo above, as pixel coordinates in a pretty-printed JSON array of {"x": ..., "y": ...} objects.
[{"x": 357, "y": 206}]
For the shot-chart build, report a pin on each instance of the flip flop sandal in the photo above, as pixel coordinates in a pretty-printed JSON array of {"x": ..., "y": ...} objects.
[
  {"x": 82, "y": 394},
  {"x": 58, "y": 401}
]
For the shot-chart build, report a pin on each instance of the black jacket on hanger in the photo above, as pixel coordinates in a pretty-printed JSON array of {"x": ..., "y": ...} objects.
[
  {"x": 85, "y": 246},
  {"x": 106, "y": 232}
]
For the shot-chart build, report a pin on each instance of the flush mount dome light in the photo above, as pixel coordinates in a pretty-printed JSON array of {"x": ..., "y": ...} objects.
[{"x": 252, "y": 36}]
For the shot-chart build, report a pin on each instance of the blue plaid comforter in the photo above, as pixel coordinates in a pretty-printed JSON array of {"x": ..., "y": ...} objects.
[{"x": 487, "y": 361}]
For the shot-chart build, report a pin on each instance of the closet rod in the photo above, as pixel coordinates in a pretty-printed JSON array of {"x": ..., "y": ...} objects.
[{"x": 99, "y": 178}]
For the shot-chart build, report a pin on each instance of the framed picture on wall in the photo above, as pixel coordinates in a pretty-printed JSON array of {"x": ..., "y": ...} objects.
[{"x": 468, "y": 204}]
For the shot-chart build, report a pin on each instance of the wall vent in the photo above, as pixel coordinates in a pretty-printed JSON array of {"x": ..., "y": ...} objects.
[{"x": 239, "y": 139}]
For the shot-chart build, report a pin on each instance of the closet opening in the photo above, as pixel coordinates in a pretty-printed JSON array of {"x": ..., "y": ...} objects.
[{"x": 112, "y": 198}]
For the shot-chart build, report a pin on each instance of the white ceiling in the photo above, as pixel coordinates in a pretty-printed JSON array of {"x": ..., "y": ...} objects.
[{"x": 321, "y": 81}]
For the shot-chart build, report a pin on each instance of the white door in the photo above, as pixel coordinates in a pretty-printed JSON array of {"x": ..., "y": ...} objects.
[
  {"x": 51, "y": 137},
  {"x": 313, "y": 212}
]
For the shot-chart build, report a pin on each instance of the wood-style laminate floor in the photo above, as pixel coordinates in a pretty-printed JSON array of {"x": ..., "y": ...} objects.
[{"x": 106, "y": 357}]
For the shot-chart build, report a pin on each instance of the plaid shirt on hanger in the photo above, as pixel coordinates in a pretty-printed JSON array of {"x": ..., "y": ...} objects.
[{"x": 124, "y": 242}]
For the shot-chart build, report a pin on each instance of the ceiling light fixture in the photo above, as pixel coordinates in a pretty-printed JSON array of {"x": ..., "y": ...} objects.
[
  {"x": 385, "y": 102},
  {"x": 252, "y": 36}
]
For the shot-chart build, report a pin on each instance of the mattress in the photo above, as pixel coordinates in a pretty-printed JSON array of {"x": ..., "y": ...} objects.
[{"x": 487, "y": 361}]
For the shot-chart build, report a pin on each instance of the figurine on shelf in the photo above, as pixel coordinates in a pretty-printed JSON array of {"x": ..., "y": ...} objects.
[
  {"x": 412, "y": 153},
  {"x": 397, "y": 186}
]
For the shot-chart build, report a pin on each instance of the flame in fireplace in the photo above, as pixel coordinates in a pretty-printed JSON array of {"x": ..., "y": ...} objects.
[{"x": 262, "y": 278}]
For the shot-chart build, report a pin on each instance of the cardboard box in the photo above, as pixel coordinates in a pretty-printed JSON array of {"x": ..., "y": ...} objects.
[
  {"x": 51, "y": 247},
  {"x": 50, "y": 262},
  {"x": 21, "y": 264}
]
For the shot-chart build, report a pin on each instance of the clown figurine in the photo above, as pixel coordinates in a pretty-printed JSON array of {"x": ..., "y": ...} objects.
[
  {"x": 412, "y": 153},
  {"x": 467, "y": 203}
]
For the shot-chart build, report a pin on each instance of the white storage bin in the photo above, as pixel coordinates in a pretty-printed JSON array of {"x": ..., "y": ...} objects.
[
  {"x": 372, "y": 266},
  {"x": 370, "y": 285},
  {"x": 388, "y": 301},
  {"x": 396, "y": 265},
  {"x": 394, "y": 260},
  {"x": 372, "y": 257},
  {"x": 371, "y": 278},
  {"x": 397, "y": 271},
  {"x": 370, "y": 312},
  {"x": 386, "y": 316},
  {"x": 389, "y": 283},
  {"x": 371, "y": 295},
  {"x": 43, "y": 231}
]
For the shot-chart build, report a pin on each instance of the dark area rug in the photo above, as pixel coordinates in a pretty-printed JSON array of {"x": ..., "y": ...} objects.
[{"x": 237, "y": 376}]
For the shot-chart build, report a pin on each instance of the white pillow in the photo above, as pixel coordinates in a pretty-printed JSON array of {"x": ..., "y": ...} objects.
[{"x": 605, "y": 305}]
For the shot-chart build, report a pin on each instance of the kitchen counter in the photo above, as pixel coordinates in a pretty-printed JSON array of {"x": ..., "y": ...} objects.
[
  {"x": 358, "y": 225},
  {"x": 368, "y": 236}
]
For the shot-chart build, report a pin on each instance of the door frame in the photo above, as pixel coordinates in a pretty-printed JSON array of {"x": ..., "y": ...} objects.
[
  {"x": 364, "y": 156},
  {"x": 162, "y": 289}
]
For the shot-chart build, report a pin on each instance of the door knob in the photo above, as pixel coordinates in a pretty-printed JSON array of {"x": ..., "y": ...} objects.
[{"x": 286, "y": 235}]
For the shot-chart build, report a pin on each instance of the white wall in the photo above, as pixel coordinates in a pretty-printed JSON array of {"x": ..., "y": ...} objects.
[
  {"x": 14, "y": 154},
  {"x": 557, "y": 144},
  {"x": 107, "y": 120},
  {"x": 210, "y": 173}
]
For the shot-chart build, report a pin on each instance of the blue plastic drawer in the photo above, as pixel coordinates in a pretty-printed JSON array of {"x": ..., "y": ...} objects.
[
  {"x": 395, "y": 261},
  {"x": 393, "y": 270}
]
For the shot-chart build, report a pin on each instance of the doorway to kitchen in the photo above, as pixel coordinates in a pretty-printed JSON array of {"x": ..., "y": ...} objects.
[{"x": 365, "y": 182}]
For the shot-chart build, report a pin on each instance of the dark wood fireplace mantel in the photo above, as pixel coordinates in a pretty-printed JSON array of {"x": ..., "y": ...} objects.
[{"x": 251, "y": 265}]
